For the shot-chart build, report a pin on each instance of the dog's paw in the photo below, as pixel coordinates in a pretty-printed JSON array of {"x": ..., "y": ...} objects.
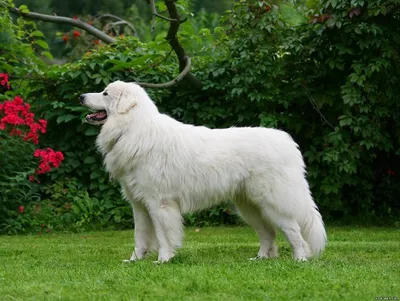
[
  {"x": 301, "y": 259},
  {"x": 258, "y": 257},
  {"x": 160, "y": 261},
  {"x": 128, "y": 261}
]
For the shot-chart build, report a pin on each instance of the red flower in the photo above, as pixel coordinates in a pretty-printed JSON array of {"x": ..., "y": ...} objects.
[
  {"x": 76, "y": 34},
  {"x": 49, "y": 159},
  {"x": 21, "y": 209},
  {"x": 12, "y": 119},
  {"x": 18, "y": 100},
  {"x": 65, "y": 38},
  {"x": 75, "y": 17},
  {"x": 32, "y": 178},
  {"x": 43, "y": 124},
  {"x": 391, "y": 172},
  {"x": 4, "y": 80}
]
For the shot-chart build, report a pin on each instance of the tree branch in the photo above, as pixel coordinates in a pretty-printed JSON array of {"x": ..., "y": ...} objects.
[
  {"x": 108, "y": 16},
  {"x": 314, "y": 104},
  {"x": 176, "y": 46},
  {"x": 119, "y": 22},
  {"x": 64, "y": 20},
  {"x": 155, "y": 14},
  {"x": 173, "y": 82},
  {"x": 175, "y": 21},
  {"x": 123, "y": 22}
]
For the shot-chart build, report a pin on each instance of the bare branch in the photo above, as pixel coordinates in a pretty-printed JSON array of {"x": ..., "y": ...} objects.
[
  {"x": 64, "y": 20},
  {"x": 165, "y": 18},
  {"x": 123, "y": 22},
  {"x": 173, "y": 82},
  {"x": 109, "y": 16},
  {"x": 155, "y": 14},
  {"x": 119, "y": 22},
  {"x": 314, "y": 104},
  {"x": 174, "y": 42}
]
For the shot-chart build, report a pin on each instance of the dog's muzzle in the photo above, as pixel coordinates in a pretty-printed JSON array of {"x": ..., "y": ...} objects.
[{"x": 82, "y": 99}]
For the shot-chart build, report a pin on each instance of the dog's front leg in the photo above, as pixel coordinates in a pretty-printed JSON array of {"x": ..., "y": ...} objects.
[
  {"x": 167, "y": 221},
  {"x": 144, "y": 231}
]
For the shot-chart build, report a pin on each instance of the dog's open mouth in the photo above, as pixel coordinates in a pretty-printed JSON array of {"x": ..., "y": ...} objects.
[{"x": 97, "y": 116}]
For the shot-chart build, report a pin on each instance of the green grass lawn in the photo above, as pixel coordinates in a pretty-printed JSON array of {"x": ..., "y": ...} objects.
[{"x": 358, "y": 264}]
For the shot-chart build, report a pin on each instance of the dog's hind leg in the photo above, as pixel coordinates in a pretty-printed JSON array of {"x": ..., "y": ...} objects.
[
  {"x": 167, "y": 221},
  {"x": 144, "y": 231},
  {"x": 266, "y": 233},
  {"x": 291, "y": 229}
]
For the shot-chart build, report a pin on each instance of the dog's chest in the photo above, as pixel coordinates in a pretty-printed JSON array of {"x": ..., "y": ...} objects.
[{"x": 112, "y": 166}]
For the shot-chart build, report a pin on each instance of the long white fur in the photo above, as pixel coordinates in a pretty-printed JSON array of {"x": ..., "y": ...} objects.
[{"x": 167, "y": 168}]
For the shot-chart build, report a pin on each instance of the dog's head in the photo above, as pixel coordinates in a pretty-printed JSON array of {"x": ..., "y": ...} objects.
[{"x": 118, "y": 98}]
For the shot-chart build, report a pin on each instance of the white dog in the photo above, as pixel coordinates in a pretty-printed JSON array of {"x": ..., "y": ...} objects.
[{"x": 167, "y": 168}]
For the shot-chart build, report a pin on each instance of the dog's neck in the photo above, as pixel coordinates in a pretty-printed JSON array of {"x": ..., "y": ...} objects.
[
  {"x": 108, "y": 147},
  {"x": 108, "y": 137}
]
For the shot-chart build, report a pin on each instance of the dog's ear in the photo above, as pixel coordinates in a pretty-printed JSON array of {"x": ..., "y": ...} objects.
[{"x": 126, "y": 101}]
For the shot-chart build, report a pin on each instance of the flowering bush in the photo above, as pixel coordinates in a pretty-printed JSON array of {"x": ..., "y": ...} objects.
[
  {"x": 19, "y": 161},
  {"x": 78, "y": 42}
]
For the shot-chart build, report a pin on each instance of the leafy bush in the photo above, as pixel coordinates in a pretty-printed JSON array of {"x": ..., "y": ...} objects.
[
  {"x": 329, "y": 80},
  {"x": 73, "y": 209},
  {"x": 18, "y": 130},
  {"x": 333, "y": 91}
]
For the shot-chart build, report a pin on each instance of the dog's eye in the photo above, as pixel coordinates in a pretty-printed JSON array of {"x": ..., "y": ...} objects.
[{"x": 105, "y": 93}]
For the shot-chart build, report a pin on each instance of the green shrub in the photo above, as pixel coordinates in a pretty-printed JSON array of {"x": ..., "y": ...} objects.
[
  {"x": 330, "y": 80},
  {"x": 20, "y": 168},
  {"x": 22, "y": 163},
  {"x": 75, "y": 209}
]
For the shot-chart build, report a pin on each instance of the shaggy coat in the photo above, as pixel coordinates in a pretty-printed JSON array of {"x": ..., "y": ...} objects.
[{"x": 167, "y": 168}]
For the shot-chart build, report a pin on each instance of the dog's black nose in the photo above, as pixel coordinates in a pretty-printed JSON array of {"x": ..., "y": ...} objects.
[{"x": 82, "y": 98}]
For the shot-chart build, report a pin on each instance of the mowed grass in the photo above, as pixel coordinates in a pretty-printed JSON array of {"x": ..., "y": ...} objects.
[{"x": 358, "y": 264}]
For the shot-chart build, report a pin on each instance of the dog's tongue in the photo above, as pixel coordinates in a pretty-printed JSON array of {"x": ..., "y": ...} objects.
[{"x": 100, "y": 114}]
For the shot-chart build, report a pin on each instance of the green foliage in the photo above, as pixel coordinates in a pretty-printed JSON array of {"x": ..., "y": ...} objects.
[
  {"x": 21, "y": 46},
  {"x": 332, "y": 84},
  {"x": 16, "y": 161},
  {"x": 218, "y": 215},
  {"x": 66, "y": 205},
  {"x": 16, "y": 193},
  {"x": 325, "y": 71},
  {"x": 84, "y": 212}
]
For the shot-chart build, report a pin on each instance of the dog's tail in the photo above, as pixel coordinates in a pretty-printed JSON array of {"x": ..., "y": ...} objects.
[{"x": 313, "y": 232}]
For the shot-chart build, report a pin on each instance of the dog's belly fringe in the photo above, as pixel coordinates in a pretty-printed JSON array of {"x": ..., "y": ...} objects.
[{"x": 191, "y": 193}]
